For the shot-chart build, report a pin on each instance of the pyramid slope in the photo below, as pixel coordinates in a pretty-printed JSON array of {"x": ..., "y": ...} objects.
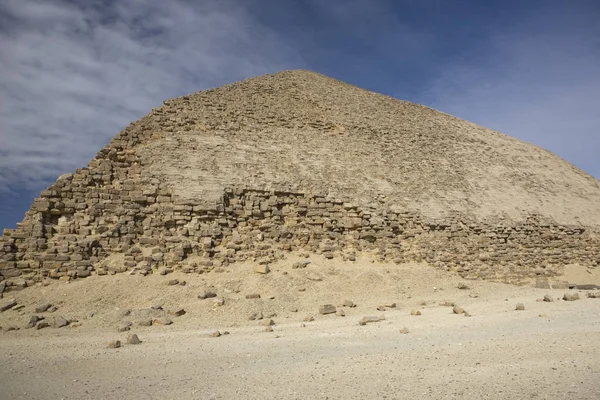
[
  {"x": 297, "y": 161},
  {"x": 304, "y": 131}
]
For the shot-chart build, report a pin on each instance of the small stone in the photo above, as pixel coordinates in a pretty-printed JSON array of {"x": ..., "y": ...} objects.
[
  {"x": 52, "y": 309},
  {"x": 207, "y": 294},
  {"x": 10, "y": 328},
  {"x": 133, "y": 339},
  {"x": 571, "y": 296},
  {"x": 548, "y": 298},
  {"x": 314, "y": 277},
  {"x": 390, "y": 305},
  {"x": 114, "y": 344},
  {"x": 173, "y": 282},
  {"x": 182, "y": 283},
  {"x": 447, "y": 304},
  {"x": 267, "y": 322},
  {"x": 262, "y": 269},
  {"x": 59, "y": 322},
  {"x": 309, "y": 318},
  {"x": 219, "y": 301},
  {"x": 156, "y": 307},
  {"x": 458, "y": 310},
  {"x": 369, "y": 319},
  {"x": 404, "y": 331},
  {"x": 253, "y": 296},
  {"x": 8, "y": 305},
  {"x": 123, "y": 328},
  {"x": 269, "y": 329},
  {"x": 542, "y": 315},
  {"x": 215, "y": 334},
  {"x": 348, "y": 303},
  {"x": 300, "y": 264},
  {"x": 161, "y": 321},
  {"x": 177, "y": 312},
  {"x": 415, "y": 312},
  {"x": 43, "y": 307},
  {"x": 381, "y": 308},
  {"x": 327, "y": 309},
  {"x": 594, "y": 295},
  {"x": 462, "y": 286},
  {"x": 33, "y": 321},
  {"x": 145, "y": 322},
  {"x": 340, "y": 312},
  {"x": 520, "y": 307}
]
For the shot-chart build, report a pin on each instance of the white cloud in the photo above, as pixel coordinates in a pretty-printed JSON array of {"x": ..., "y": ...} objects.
[
  {"x": 76, "y": 73},
  {"x": 537, "y": 81}
]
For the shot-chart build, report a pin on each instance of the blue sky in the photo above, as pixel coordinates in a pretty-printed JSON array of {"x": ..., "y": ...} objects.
[{"x": 75, "y": 73}]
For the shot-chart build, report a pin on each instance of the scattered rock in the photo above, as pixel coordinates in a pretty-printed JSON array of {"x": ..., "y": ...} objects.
[
  {"x": 262, "y": 269},
  {"x": 8, "y": 305},
  {"x": 253, "y": 296},
  {"x": 18, "y": 307},
  {"x": 571, "y": 296},
  {"x": 327, "y": 309},
  {"x": 314, "y": 277},
  {"x": 42, "y": 325},
  {"x": 177, "y": 312},
  {"x": 59, "y": 322},
  {"x": 404, "y": 331},
  {"x": 52, "y": 309},
  {"x": 207, "y": 294},
  {"x": 462, "y": 286},
  {"x": 542, "y": 315},
  {"x": 33, "y": 321},
  {"x": 215, "y": 334},
  {"x": 348, "y": 303},
  {"x": 269, "y": 329},
  {"x": 114, "y": 344},
  {"x": 595, "y": 295},
  {"x": 10, "y": 328},
  {"x": 340, "y": 312},
  {"x": 43, "y": 307},
  {"x": 415, "y": 312},
  {"x": 219, "y": 301},
  {"x": 458, "y": 310},
  {"x": 548, "y": 298},
  {"x": 161, "y": 321},
  {"x": 133, "y": 339},
  {"x": 145, "y": 322},
  {"x": 309, "y": 318},
  {"x": 173, "y": 282},
  {"x": 124, "y": 327},
  {"x": 381, "y": 308},
  {"x": 157, "y": 307},
  {"x": 520, "y": 307},
  {"x": 300, "y": 264},
  {"x": 369, "y": 319},
  {"x": 182, "y": 283},
  {"x": 447, "y": 304},
  {"x": 267, "y": 322}
]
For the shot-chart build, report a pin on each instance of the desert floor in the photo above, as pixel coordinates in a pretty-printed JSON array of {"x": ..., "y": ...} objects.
[{"x": 550, "y": 350}]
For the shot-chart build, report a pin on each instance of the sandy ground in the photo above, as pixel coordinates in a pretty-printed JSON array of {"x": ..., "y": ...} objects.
[{"x": 548, "y": 351}]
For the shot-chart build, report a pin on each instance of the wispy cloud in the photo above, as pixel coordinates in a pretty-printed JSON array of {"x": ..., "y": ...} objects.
[
  {"x": 75, "y": 73},
  {"x": 537, "y": 80}
]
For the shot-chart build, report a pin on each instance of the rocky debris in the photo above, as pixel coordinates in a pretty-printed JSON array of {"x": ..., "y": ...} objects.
[
  {"x": 266, "y": 322},
  {"x": 520, "y": 307},
  {"x": 269, "y": 329},
  {"x": 176, "y": 312},
  {"x": 370, "y": 319},
  {"x": 262, "y": 269},
  {"x": 33, "y": 321},
  {"x": 10, "y": 328},
  {"x": 309, "y": 318},
  {"x": 327, "y": 309},
  {"x": 8, "y": 305},
  {"x": 215, "y": 334},
  {"x": 18, "y": 307},
  {"x": 415, "y": 312},
  {"x": 42, "y": 307},
  {"x": 340, "y": 312},
  {"x": 124, "y": 327},
  {"x": 571, "y": 296},
  {"x": 156, "y": 307},
  {"x": 458, "y": 310},
  {"x": 59, "y": 322},
  {"x": 145, "y": 322},
  {"x": 161, "y": 321},
  {"x": 253, "y": 296},
  {"x": 52, "y": 309},
  {"x": 173, "y": 282},
  {"x": 114, "y": 344},
  {"x": 595, "y": 295},
  {"x": 404, "y": 331},
  {"x": 447, "y": 304},
  {"x": 218, "y": 301},
  {"x": 207, "y": 293},
  {"x": 548, "y": 298},
  {"x": 256, "y": 316},
  {"x": 132, "y": 338},
  {"x": 314, "y": 277},
  {"x": 462, "y": 286}
]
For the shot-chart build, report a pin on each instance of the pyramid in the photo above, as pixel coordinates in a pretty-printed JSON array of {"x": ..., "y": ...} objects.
[{"x": 300, "y": 162}]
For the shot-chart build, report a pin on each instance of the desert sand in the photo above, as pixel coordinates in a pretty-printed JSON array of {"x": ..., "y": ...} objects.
[{"x": 547, "y": 351}]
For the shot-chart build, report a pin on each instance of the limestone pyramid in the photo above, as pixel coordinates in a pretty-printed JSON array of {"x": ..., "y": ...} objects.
[{"x": 298, "y": 161}]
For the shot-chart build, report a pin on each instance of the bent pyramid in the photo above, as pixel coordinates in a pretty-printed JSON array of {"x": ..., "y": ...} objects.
[{"x": 297, "y": 161}]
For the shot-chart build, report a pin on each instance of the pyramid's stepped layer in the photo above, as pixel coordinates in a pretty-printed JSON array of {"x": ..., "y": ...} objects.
[{"x": 131, "y": 208}]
